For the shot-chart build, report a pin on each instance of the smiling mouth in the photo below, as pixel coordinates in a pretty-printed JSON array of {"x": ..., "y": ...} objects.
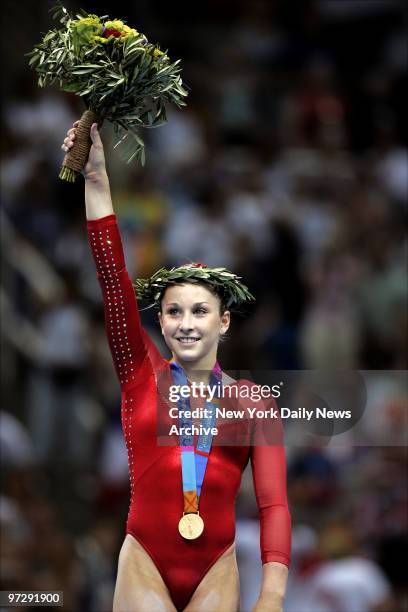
[{"x": 188, "y": 340}]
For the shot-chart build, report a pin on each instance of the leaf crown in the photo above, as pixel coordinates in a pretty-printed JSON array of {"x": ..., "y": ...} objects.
[{"x": 224, "y": 283}]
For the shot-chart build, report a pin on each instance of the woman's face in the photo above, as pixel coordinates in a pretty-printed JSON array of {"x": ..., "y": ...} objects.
[{"x": 192, "y": 324}]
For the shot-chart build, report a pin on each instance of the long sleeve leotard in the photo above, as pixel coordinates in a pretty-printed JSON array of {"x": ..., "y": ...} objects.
[{"x": 156, "y": 503}]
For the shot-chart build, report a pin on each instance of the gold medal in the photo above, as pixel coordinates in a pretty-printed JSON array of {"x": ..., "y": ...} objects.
[{"x": 191, "y": 526}]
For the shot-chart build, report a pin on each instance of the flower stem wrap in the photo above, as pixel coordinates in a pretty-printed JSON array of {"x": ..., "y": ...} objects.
[{"x": 75, "y": 160}]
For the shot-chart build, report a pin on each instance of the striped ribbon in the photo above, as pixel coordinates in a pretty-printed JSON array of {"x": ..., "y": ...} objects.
[{"x": 194, "y": 460}]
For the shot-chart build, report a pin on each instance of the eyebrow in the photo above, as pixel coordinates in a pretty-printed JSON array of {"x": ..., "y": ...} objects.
[{"x": 196, "y": 304}]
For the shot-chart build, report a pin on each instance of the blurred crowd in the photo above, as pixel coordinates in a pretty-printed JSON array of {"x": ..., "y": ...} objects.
[{"x": 288, "y": 166}]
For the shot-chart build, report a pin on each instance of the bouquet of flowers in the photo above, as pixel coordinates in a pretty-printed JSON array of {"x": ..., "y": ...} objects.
[{"x": 121, "y": 77}]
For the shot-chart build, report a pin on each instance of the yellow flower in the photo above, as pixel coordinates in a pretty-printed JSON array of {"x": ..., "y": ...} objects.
[
  {"x": 102, "y": 40},
  {"x": 157, "y": 53},
  {"x": 84, "y": 30},
  {"x": 120, "y": 26},
  {"x": 91, "y": 20},
  {"x": 130, "y": 31},
  {"x": 115, "y": 24}
]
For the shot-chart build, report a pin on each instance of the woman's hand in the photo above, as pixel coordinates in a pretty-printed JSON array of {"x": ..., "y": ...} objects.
[
  {"x": 274, "y": 578},
  {"x": 268, "y": 604},
  {"x": 98, "y": 201},
  {"x": 95, "y": 167}
]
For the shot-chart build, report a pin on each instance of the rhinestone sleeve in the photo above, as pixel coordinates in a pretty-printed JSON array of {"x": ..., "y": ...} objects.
[{"x": 126, "y": 336}]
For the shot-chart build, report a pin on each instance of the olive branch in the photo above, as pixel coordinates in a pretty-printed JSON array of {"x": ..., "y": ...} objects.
[{"x": 224, "y": 283}]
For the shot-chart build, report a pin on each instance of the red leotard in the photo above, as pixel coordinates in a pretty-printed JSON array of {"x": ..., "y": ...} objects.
[{"x": 155, "y": 471}]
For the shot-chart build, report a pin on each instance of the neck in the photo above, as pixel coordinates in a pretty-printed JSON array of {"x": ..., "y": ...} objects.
[{"x": 198, "y": 371}]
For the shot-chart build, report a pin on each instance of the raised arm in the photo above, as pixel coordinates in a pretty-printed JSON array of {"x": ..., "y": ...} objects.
[{"x": 134, "y": 354}]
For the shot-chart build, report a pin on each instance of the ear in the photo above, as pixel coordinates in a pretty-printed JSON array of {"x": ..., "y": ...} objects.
[
  {"x": 225, "y": 322},
  {"x": 159, "y": 314}
]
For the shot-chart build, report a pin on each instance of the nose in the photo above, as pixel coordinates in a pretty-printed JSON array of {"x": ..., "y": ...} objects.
[{"x": 186, "y": 323}]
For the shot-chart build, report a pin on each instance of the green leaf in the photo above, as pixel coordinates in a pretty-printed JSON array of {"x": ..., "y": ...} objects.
[
  {"x": 169, "y": 86},
  {"x": 91, "y": 66},
  {"x": 71, "y": 87}
]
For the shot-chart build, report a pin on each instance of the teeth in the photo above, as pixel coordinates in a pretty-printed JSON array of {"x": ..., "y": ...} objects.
[{"x": 188, "y": 340}]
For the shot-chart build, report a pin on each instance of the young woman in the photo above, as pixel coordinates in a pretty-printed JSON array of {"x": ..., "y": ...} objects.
[{"x": 173, "y": 559}]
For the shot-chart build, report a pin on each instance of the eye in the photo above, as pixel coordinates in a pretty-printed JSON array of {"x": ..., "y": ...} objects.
[
  {"x": 200, "y": 310},
  {"x": 173, "y": 311}
]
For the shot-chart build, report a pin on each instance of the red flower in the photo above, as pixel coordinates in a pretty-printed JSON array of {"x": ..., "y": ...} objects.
[
  {"x": 112, "y": 32},
  {"x": 199, "y": 265}
]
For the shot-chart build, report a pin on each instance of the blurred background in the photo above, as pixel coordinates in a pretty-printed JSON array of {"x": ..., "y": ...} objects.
[{"x": 289, "y": 166}]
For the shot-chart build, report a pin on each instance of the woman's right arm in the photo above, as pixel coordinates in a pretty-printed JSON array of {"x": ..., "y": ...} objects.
[{"x": 128, "y": 341}]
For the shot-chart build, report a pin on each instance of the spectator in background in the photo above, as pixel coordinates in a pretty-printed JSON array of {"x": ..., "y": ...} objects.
[
  {"x": 56, "y": 386},
  {"x": 346, "y": 580}
]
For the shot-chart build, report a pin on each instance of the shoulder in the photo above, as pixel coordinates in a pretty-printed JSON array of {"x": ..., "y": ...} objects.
[{"x": 228, "y": 380}]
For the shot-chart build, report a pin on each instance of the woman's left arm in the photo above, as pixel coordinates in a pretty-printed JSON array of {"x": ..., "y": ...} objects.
[{"x": 269, "y": 474}]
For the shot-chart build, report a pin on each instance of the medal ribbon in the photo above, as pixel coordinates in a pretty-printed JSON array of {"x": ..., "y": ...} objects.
[{"x": 194, "y": 461}]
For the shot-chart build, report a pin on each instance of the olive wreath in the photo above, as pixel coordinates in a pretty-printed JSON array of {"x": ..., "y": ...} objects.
[{"x": 223, "y": 282}]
